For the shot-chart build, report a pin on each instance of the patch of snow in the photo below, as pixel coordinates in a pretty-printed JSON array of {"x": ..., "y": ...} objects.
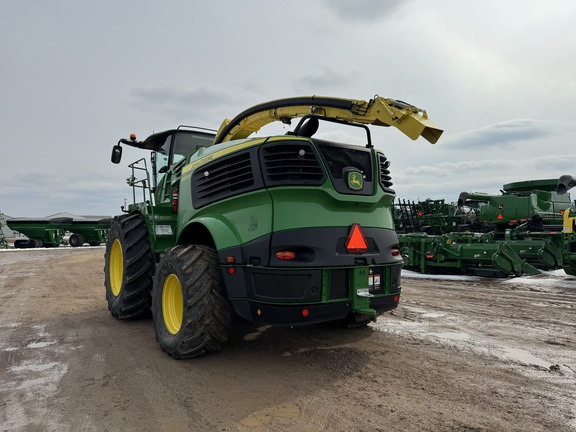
[
  {"x": 415, "y": 275},
  {"x": 39, "y": 344}
]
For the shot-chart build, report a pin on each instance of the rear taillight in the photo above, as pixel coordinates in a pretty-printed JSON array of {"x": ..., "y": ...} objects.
[
  {"x": 174, "y": 200},
  {"x": 285, "y": 255}
]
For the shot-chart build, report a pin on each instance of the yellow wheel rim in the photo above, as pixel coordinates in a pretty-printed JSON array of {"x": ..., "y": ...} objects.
[
  {"x": 172, "y": 304},
  {"x": 116, "y": 267}
]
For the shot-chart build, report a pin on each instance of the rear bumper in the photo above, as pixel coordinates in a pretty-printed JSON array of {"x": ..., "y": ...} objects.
[{"x": 262, "y": 313}]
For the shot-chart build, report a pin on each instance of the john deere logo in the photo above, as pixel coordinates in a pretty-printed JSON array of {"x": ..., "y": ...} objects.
[{"x": 355, "y": 180}]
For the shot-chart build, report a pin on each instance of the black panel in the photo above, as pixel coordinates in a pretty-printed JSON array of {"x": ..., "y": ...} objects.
[
  {"x": 383, "y": 304},
  {"x": 285, "y": 286},
  {"x": 316, "y": 247},
  {"x": 341, "y": 159},
  {"x": 290, "y": 315},
  {"x": 339, "y": 284}
]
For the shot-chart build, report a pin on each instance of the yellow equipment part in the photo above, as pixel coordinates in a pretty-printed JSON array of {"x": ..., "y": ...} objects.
[
  {"x": 568, "y": 225},
  {"x": 410, "y": 120}
]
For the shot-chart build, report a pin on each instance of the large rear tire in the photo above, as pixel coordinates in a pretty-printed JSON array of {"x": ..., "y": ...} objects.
[
  {"x": 128, "y": 268},
  {"x": 191, "y": 316}
]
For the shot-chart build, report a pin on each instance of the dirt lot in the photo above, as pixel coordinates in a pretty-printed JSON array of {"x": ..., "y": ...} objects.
[{"x": 457, "y": 355}]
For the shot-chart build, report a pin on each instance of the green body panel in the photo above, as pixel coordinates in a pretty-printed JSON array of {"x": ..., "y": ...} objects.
[
  {"x": 323, "y": 207},
  {"x": 232, "y": 222}
]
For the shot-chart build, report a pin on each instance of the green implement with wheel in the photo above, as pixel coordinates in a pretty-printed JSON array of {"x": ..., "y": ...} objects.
[
  {"x": 288, "y": 228},
  {"x": 50, "y": 232}
]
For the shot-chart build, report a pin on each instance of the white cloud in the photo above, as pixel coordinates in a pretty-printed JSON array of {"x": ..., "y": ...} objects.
[{"x": 517, "y": 131}]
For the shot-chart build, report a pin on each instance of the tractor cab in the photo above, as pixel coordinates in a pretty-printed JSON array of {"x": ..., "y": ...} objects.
[{"x": 169, "y": 149}]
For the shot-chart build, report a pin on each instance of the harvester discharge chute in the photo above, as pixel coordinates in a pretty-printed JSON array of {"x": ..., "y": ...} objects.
[
  {"x": 410, "y": 120},
  {"x": 564, "y": 184}
]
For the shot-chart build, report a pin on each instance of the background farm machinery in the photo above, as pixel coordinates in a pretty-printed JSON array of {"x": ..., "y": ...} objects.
[
  {"x": 51, "y": 232},
  {"x": 515, "y": 233},
  {"x": 3, "y": 241}
]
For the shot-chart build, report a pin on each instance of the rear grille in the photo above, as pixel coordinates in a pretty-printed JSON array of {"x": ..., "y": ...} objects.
[
  {"x": 385, "y": 179},
  {"x": 291, "y": 163},
  {"x": 221, "y": 179}
]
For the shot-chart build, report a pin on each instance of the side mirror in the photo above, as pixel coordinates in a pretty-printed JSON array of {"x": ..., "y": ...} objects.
[{"x": 116, "y": 154}]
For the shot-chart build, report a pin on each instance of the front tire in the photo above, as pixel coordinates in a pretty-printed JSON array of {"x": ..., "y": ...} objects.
[
  {"x": 128, "y": 268},
  {"x": 191, "y": 315}
]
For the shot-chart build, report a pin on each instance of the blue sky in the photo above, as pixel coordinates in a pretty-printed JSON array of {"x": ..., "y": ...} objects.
[{"x": 76, "y": 76}]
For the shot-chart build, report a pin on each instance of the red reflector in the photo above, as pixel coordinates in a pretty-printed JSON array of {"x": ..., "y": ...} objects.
[
  {"x": 305, "y": 312},
  {"x": 395, "y": 299},
  {"x": 285, "y": 255},
  {"x": 356, "y": 241},
  {"x": 231, "y": 270},
  {"x": 500, "y": 216},
  {"x": 429, "y": 255},
  {"x": 395, "y": 252},
  {"x": 420, "y": 213},
  {"x": 562, "y": 212}
]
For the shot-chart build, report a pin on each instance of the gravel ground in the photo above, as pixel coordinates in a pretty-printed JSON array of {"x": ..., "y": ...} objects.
[{"x": 459, "y": 354}]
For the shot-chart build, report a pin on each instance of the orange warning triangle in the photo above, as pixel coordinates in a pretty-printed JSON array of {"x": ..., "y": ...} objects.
[
  {"x": 356, "y": 241},
  {"x": 500, "y": 216}
]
